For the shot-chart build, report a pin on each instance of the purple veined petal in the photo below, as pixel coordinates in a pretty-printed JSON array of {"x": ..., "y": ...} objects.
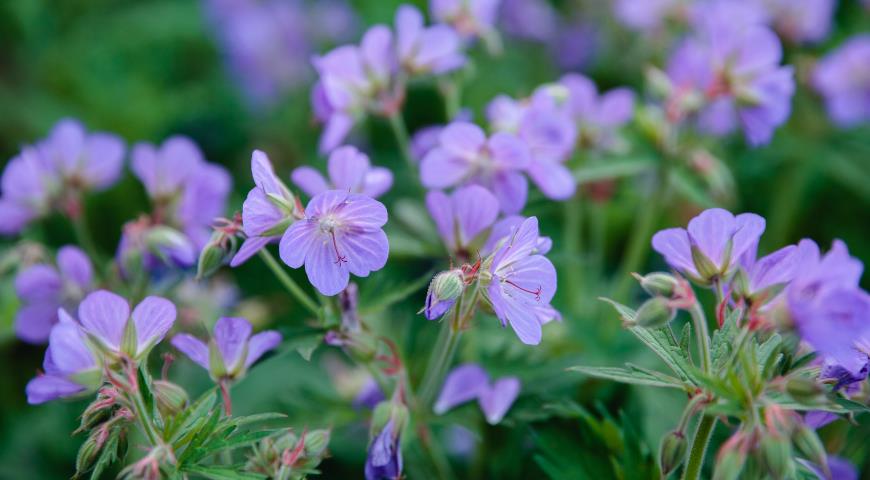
[
  {"x": 500, "y": 230},
  {"x": 249, "y": 248},
  {"x": 325, "y": 203},
  {"x": 518, "y": 246},
  {"x": 534, "y": 273},
  {"x": 508, "y": 151},
  {"x": 45, "y": 388},
  {"x": 38, "y": 283},
  {"x": 325, "y": 272},
  {"x": 259, "y": 214},
  {"x": 231, "y": 335},
  {"x": 347, "y": 168},
  {"x": 440, "y": 209},
  {"x": 377, "y": 182},
  {"x": 75, "y": 265},
  {"x": 462, "y": 385},
  {"x": 153, "y": 317},
  {"x": 522, "y": 320},
  {"x": 616, "y": 107},
  {"x": 261, "y": 343},
  {"x": 778, "y": 267},
  {"x": 297, "y": 241},
  {"x": 553, "y": 178},
  {"x": 748, "y": 230},
  {"x": 511, "y": 189},
  {"x": 194, "y": 348},
  {"x": 363, "y": 212},
  {"x": 441, "y": 169},
  {"x": 435, "y": 308},
  {"x": 364, "y": 252},
  {"x": 104, "y": 315},
  {"x": 337, "y": 128},
  {"x": 14, "y": 217},
  {"x": 833, "y": 324},
  {"x": 68, "y": 351},
  {"x": 33, "y": 322},
  {"x": 384, "y": 460},
  {"x": 475, "y": 210},
  {"x": 673, "y": 244},
  {"x": 65, "y": 145},
  {"x": 264, "y": 174},
  {"x": 309, "y": 180},
  {"x": 462, "y": 139},
  {"x": 409, "y": 26},
  {"x": 711, "y": 231},
  {"x": 104, "y": 159},
  {"x": 495, "y": 400}
]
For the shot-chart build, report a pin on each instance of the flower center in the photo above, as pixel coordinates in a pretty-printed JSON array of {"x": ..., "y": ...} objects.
[
  {"x": 328, "y": 225},
  {"x": 536, "y": 292}
]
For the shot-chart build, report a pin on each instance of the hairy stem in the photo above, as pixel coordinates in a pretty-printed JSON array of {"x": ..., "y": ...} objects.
[
  {"x": 699, "y": 448},
  {"x": 289, "y": 283},
  {"x": 702, "y": 335},
  {"x": 439, "y": 361}
]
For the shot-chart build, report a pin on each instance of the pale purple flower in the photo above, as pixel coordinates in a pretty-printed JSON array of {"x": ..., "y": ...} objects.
[
  {"x": 504, "y": 229},
  {"x": 384, "y": 459},
  {"x": 843, "y": 79},
  {"x": 426, "y": 50},
  {"x": 153, "y": 248},
  {"x": 771, "y": 272},
  {"x": 27, "y": 187},
  {"x": 70, "y": 367},
  {"x": 425, "y": 139},
  {"x": 43, "y": 289},
  {"x": 801, "y": 21},
  {"x": 470, "y": 382},
  {"x": 268, "y": 210},
  {"x": 232, "y": 349},
  {"x": 471, "y": 18},
  {"x": 341, "y": 233},
  {"x": 530, "y": 19},
  {"x": 86, "y": 161},
  {"x": 648, "y": 15},
  {"x": 349, "y": 170},
  {"x": 369, "y": 396},
  {"x": 598, "y": 115},
  {"x": 709, "y": 249},
  {"x": 839, "y": 468},
  {"x": 522, "y": 284},
  {"x": 462, "y": 216},
  {"x": 465, "y": 155}
]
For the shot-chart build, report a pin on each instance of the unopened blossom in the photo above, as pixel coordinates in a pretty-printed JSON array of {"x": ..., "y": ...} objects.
[
  {"x": 44, "y": 288},
  {"x": 268, "y": 210},
  {"x": 843, "y": 79},
  {"x": 471, "y": 382},
  {"x": 709, "y": 249},
  {"x": 465, "y": 155},
  {"x": 598, "y": 115},
  {"x": 384, "y": 459},
  {"x": 462, "y": 216},
  {"x": 152, "y": 248},
  {"x": 70, "y": 367},
  {"x": 801, "y": 21},
  {"x": 471, "y": 18},
  {"x": 340, "y": 234},
  {"x": 522, "y": 284},
  {"x": 349, "y": 170},
  {"x": 232, "y": 349},
  {"x": 426, "y": 50}
]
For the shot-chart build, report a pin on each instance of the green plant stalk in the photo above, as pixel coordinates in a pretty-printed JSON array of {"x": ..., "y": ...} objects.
[
  {"x": 439, "y": 361},
  {"x": 84, "y": 238},
  {"x": 702, "y": 335},
  {"x": 400, "y": 131},
  {"x": 699, "y": 448},
  {"x": 145, "y": 421},
  {"x": 289, "y": 283},
  {"x": 572, "y": 242}
]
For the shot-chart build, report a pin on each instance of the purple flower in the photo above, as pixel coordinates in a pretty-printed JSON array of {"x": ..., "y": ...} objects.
[
  {"x": 44, "y": 289},
  {"x": 769, "y": 274},
  {"x": 801, "y": 20},
  {"x": 28, "y": 185},
  {"x": 232, "y": 349},
  {"x": 465, "y": 155},
  {"x": 70, "y": 366},
  {"x": 87, "y": 161},
  {"x": 598, "y": 116},
  {"x": 504, "y": 228},
  {"x": 340, "y": 234},
  {"x": 711, "y": 245},
  {"x": 469, "y": 382},
  {"x": 840, "y": 469},
  {"x": 647, "y": 15},
  {"x": 268, "y": 210},
  {"x": 463, "y": 216},
  {"x": 522, "y": 284},
  {"x": 843, "y": 79},
  {"x": 369, "y": 396},
  {"x": 384, "y": 460},
  {"x": 349, "y": 170},
  {"x": 471, "y": 18},
  {"x": 424, "y": 50},
  {"x": 530, "y": 19},
  {"x": 146, "y": 247}
]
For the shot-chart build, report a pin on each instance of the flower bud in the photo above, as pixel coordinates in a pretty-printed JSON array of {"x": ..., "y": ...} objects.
[
  {"x": 171, "y": 398},
  {"x": 775, "y": 455},
  {"x": 444, "y": 289},
  {"x": 658, "y": 82},
  {"x": 804, "y": 390},
  {"x": 731, "y": 458},
  {"x": 672, "y": 452},
  {"x": 658, "y": 284},
  {"x": 90, "y": 450},
  {"x": 170, "y": 246},
  {"x": 654, "y": 313},
  {"x": 807, "y": 441},
  {"x": 219, "y": 249},
  {"x": 316, "y": 442},
  {"x": 705, "y": 267}
]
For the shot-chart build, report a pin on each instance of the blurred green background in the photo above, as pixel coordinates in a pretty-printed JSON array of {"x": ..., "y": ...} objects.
[{"x": 149, "y": 69}]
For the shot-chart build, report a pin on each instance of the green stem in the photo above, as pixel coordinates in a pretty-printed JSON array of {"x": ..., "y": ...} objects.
[
  {"x": 141, "y": 413},
  {"x": 400, "y": 131},
  {"x": 289, "y": 283},
  {"x": 439, "y": 361},
  {"x": 788, "y": 200},
  {"x": 572, "y": 242},
  {"x": 702, "y": 335},
  {"x": 699, "y": 448},
  {"x": 83, "y": 236},
  {"x": 452, "y": 92}
]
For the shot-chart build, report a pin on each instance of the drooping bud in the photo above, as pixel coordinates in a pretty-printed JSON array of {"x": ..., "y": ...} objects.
[
  {"x": 807, "y": 441},
  {"x": 316, "y": 442},
  {"x": 774, "y": 455},
  {"x": 672, "y": 452},
  {"x": 654, "y": 313},
  {"x": 171, "y": 398},
  {"x": 731, "y": 458},
  {"x": 90, "y": 450},
  {"x": 444, "y": 289},
  {"x": 805, "y": 390},
  {"x": 658, "y": 284},
  {"x": 218, "y": 251},
  {"x": 170, "y": 246}
]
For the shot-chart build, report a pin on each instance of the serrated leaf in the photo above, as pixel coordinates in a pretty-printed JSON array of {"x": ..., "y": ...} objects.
[
  {"x": 260, "y": 417},
  {"x": 661, "y": 343},
  {"x": 685, "y": 339},
  {"x": 722, "y": 343},
  {"x": 628, "y": 314},
  {"x": 222, "y": 473},
  {"x": 624, "y": 375},
  {"x": 185, "y": 420}
]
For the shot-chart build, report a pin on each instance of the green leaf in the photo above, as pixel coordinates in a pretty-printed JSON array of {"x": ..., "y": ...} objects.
[
  {"x": 685, "y": 339},
  {"x": 183, "y": 422},
  {"x": 661, "y": 343},
  {"x": 623, "y": 375},
  {"x": 613, "y": 169},
  {"x": 222, "y": 473},
  {"x": 627, "y": 314},
  {"x": 260, "y": 417},
  {"x": 688, "y": 187}
]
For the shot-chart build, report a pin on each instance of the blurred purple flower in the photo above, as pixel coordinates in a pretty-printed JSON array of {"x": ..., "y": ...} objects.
[
  {"x": 369, "y": 396},
  {"x": 43, "y": 289},
  {"x": 232, "y": 349},
  {"x": 523, "y": 284},
  {"x": 268, "y": 210},
  {"x": 710, "y": 247},
  {"x": 530, "y": 19},
  {"x": 462, "y": 216},
  {"x": 843, "y": 79},
  {"x": 384, "y": 459},
  {"x": 70, "y": 366},
  {"x": 349, "y": 170},
  {"x": 151, "y": 248},
  {"x": 801, "y": 21},
  {"x": 840, "y": 469},
  {"x": 649, "y": 15},
  {"x": 427, "y": 138},
  {"x": 598, "y": 116},
  {"x": 772, "y": 271},
  {"x": 465, "y": 155},
  {"x": 87, "y": 161},
  {"x": 340, "y": 234},
  {"x": 469, "y": 382},
  {"x": 28, "y": 184},
  {"x": 424, "y": 50},
  {"x": 471, "y": 18},
  {"x": 107, "y": 321}
]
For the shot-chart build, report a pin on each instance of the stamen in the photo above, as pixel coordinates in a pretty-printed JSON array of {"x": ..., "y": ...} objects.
[
  {"x": 536, "y": 293},
  {"x": 339, "y": 258}
]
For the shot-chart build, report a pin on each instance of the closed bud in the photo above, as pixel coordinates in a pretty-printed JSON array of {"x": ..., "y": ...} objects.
[
  {"x": 659, "y": 284},
  {"x": 90, "y": 450},
  {"x": 658, "y": 82},
  {"x": 804, "y": 390},
  {"x": 216, "y": 252},
  {"x": 654, "y": 313},
  {"x": 672, "y": 452},
  {"x": 705, "y": 267},
  {"x": 380, "y": 416},
  {"x": 316, "y": 442},
  {"x": 809, "y": 444},
  {"x": 775, "y": 455},
  {"x": 444, "y": 289},
  {"x": 731, "y": 458},
  {"x": 171, "y": 398},
  {"x": 740, "y": 284}
]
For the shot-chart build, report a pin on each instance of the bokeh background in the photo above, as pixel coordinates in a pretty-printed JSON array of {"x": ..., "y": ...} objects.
[{"x": 148, "y": 69}]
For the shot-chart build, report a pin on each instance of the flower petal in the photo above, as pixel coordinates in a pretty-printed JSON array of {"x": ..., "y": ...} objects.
[
  {"x": 496, "y": 400},
  {"x": 347, "y": 168},
  {"x": 461, "y": 385},
  {"x": 33, "y": 322},
  {"x": 297, "y": 241},
  {"x": 75, "y": 265},
  {"x": 104, "y": 315},
  {"x": 249, "y": 248},
  {"x": 327, "y": 275},
  {"x": 673, "y": 244},
  {"x": 309, "y": 180},
  {"x": 38, "y": 283},
  {"x": 194, "y": 348},
  {"x": 364, "y": 252},
  {"x": 476, "y": 209},
  {"x": 45, "y": 388},
  {"x": 231, "y": 335},
  {"x": 440, "y": 209},
  {"x": 260, "y": 344},
  {"x": 153, "y": 317}
]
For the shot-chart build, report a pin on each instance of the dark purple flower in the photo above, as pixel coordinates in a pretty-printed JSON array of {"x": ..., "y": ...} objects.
[
  {"x": 349, "y": 170},
  {"x": 369, "y": 396},
  {"x": 462, "y": 216},
  {"x": 87, "y": 161},
  {"x": 598, "y": 116},
  {"x": 801, "y": 21},
  {"x": 426, "y": 50},
  {"x": 469, "y": 382},
  {"x": 840, "y": 469},
  {"x": 232, "y": 349},
  {"x": 522, "y": 284},
  {"x": 341, "y": 233},
  {"x": 710, "y": 247},
  {"x": 530, "y": 19},
  {"x": 471, "y": 18},
  {"x": 268, "y": 210},
  {"x": 384, "y": 460},
  {"x": 843, "y": 79},
  {"x": 69, "y": 368},
  {"x": 43, "y": 289},
  {"x": 465, "y": 155}
]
